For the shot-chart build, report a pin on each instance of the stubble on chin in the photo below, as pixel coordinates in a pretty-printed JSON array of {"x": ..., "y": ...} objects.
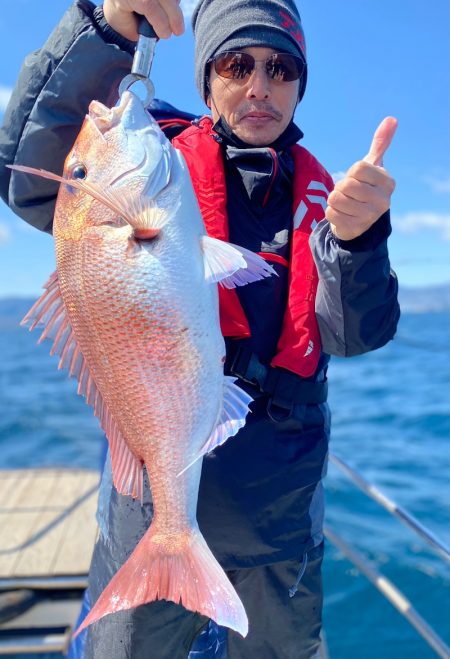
[{"x": 256, "y": 137}]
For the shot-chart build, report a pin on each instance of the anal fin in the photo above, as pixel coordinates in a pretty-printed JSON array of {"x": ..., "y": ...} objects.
[{"x": 235, "y": 408}]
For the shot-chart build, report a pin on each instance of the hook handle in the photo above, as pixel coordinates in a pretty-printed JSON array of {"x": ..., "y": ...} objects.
[
  {"x": 145, "y": 49},
  {"x": 145, "y": 28}
]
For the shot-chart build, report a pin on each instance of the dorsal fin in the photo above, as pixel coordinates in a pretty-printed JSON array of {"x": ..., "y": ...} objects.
[{"x": 49, "y": 311}]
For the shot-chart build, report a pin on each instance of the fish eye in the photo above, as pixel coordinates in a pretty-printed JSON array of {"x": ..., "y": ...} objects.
[{"x": 78, "y": 171}]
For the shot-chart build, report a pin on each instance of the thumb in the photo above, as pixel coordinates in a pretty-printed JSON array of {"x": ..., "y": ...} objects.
[{"x": 381, "y": 140}]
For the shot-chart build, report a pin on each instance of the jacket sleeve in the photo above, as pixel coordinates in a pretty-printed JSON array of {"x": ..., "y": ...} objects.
[
  {"x": 356, "y": 304},
  {"x": 83, "y": 59}
]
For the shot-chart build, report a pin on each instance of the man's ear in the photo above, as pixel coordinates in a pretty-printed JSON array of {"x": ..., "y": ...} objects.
[{"x": 208, "y": 101}]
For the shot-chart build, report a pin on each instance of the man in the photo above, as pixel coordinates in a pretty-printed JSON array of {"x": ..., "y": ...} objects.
[{"x": 260, "y": 501}]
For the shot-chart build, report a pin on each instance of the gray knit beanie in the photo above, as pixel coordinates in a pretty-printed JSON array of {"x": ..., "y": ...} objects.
[{"x": 221, "y": 25}]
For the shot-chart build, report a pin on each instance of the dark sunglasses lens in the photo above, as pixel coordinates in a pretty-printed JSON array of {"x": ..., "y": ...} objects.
[
  {"x": 234, "y": 65},
  {"x": 284, "y": 67},
  {"x": 279, "y": 66}
]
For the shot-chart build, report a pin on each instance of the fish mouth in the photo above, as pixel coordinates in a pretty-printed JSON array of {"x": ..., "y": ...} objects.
[
  {"x": 105, "y": 118},
  {"x": 130, "y": 112}
]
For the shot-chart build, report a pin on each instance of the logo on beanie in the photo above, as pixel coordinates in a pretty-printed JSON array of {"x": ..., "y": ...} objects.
[{"x": 294, "y": 30}]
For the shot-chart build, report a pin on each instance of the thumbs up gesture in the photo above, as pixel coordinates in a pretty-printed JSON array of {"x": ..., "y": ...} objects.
[{"x": 359, "y": 199}]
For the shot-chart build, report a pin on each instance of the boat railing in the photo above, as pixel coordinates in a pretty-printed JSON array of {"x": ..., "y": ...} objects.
[{"x": 386, "y": 587}]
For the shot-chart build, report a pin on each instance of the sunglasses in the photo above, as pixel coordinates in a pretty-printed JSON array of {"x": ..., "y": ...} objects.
[{"x": 281, "y": 67}]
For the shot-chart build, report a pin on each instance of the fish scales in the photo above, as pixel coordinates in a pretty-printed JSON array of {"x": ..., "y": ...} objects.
[{"x": 152, "y": 375}]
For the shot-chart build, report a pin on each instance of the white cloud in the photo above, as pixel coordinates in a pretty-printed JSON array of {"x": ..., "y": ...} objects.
[
  {"x": 5, "y": 94},
  {"x": 4, "y": 233},
  {"x": 423, "y": 220},
  {"x": 338, "y": 176},
  {"x": 437, "y": 184},
  {"x": 188, "y": 7}
]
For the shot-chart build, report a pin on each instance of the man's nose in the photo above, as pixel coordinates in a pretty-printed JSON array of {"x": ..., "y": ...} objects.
[{"x": 259, "y": 82}]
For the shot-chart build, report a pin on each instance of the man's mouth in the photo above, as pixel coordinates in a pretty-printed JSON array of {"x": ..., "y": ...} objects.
[
  {"x": 259, "y": 115},
  {"x": 258, "y": 118}
]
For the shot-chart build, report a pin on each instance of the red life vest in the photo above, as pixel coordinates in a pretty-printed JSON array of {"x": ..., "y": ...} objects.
[{"x": 298, "y": 348}]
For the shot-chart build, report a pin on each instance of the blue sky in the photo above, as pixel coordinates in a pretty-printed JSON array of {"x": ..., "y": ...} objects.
[{"x": 366, "y": 60}]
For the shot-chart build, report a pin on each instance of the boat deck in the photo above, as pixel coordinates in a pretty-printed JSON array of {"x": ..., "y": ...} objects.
[
  {"x": 47, "y": 523},
  {"x": 47, "y": 534}
]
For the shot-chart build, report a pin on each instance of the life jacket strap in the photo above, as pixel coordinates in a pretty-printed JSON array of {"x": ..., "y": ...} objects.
[{"x": 285, "y": 387}]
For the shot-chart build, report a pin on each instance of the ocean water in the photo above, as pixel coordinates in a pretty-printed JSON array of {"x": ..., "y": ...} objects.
[{"x": 390, "y": 421}]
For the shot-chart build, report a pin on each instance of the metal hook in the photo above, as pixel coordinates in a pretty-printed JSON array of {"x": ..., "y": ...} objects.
[
  {"x": 142, "y": 61},
  {"x": 131, "y": 79}
]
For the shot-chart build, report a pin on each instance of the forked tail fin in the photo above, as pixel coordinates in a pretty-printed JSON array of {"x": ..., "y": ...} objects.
[{"x": 180, "y": 569}]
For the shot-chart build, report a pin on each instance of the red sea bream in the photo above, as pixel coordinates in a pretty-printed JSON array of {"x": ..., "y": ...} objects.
[{"x": 132, "y": 310}]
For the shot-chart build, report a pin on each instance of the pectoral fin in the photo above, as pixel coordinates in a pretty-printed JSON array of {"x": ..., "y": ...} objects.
[
  {"x": 145, "y": 215},
  {"x": 232, "y": 265}
]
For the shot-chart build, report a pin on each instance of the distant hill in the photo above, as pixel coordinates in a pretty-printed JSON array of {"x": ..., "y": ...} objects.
[{"x": 412, "y": 300}]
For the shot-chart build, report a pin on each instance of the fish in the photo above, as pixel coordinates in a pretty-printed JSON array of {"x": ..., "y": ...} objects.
[{"x": 132, "y": 310}]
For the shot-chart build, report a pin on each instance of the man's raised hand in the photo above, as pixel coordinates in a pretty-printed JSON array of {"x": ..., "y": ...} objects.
[
  {"x": 165, "y": 16},
  {"x": 359, "y": 199}
]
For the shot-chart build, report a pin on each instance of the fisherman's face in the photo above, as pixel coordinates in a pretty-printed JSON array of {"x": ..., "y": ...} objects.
[{"x": 257, "y": 108}]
